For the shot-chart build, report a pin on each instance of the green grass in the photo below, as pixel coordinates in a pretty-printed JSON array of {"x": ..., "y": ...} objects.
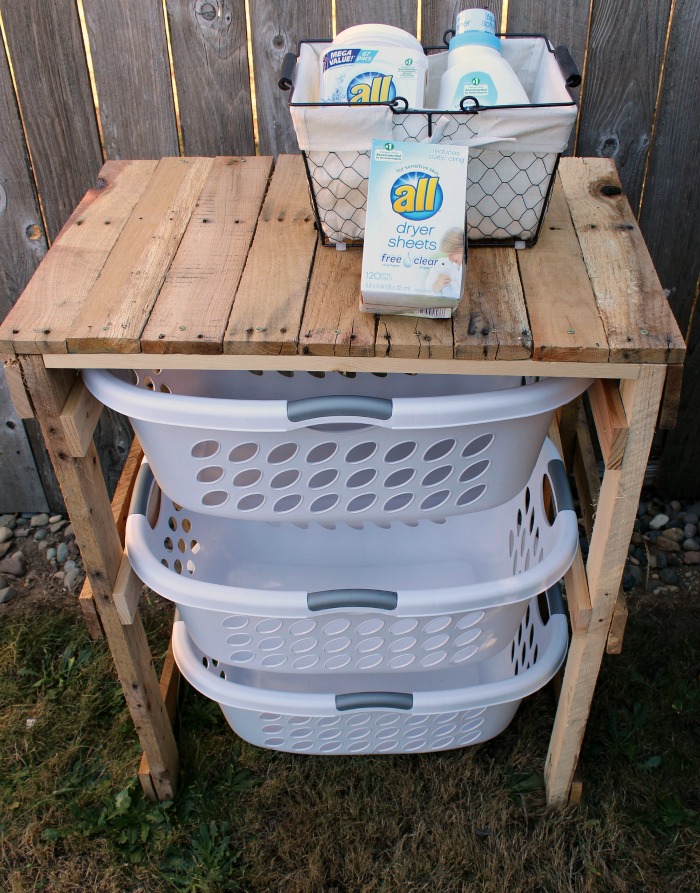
[{"x": 72, "y": 816}]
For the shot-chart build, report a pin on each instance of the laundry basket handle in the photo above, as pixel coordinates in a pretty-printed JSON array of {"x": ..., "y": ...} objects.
[
  {"x": 562, "y": 494},
  {"x": 365, "y": 700},
  {"x": 327, "y": 599},
  {"x": 142, "y": 490},
  {"x": 308, "y": 408},
  {"x": 568, "y": 68}
]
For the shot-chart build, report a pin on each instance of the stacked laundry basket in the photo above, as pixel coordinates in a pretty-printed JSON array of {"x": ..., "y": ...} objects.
[{"x": 361, "y": 563}]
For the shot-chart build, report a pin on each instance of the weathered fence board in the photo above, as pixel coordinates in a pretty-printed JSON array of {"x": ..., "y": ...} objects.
[
  {"x": 670, "y": 221},
  {"x": 19, "y": 482},
  {"x": 210, "y": 58},
  {"x": 386, "y": 12},
  {"x": 625, "y": 53},
  {"x": 277, "y": 29},
  {"x": 132, "y": 73},
  {"x": 439, "y": 16},
  {"x": 48, "y": 58}
]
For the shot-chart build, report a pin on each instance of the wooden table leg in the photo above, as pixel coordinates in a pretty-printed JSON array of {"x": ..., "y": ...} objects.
[
  {"x": 90, "y": 511},
  {"x": 614, "y": 520}
]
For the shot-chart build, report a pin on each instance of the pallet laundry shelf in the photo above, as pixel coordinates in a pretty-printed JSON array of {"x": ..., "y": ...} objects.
[{"x": 137, "y": 279}]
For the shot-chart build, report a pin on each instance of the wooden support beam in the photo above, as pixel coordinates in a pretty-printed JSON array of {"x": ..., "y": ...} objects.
[
  {"x": 169, "y": 687},
  {"x": 617, "y": 508},
  {"x": 79, "y": 417},
  {"x": 127, "y": 592},
  {"x": 610, "y": 421},
  {"x": 586, "y": 473},
  {"x": 576, "y": 790},
  {"x": 578, "y": 598},
  {"x": 672, "y": 398},
  {"x": 616, "y": 633},
  {"x": 567, "y": 417},
  {"x": 86, "y": 600},
  {"x": 18, "y": 393},
  {"x": 90, "y": 512}
]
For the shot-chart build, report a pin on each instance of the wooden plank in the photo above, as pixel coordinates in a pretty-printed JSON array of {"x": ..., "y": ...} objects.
[
  {"x": 241, "y": 360},
  {"x": 169, "y": 688},
  {"x": 567, "y": 419},
  {"x": 86, "y": 600},
  {"x": 20, "y": 486},
  {"x": 617, "y": 509},
  {"x": 125, "y": 488},
  {"x": 576, "y": 790},
  {"x": 564, "y": 318},
  {"x": 491, "y": 320},
  {"x": 619, "y": 94},
  {"x": 637, "y": 319},
  {"x": 48, "y": 59},
  {"x": 439, "y": 16},
  {"x": 414, "y": 337},
  {"x": 56, "y": 293},
  {"x": 193, "y": 307},
  {"x": 616, "y": 633},
  {"x": 277, "y": 30},
  {"x": 586, "y": 473},
  {"x": 210, "y": 61},
  {"x": 90, "y": 512},
  {"x": 269, "y": 303},
  {"x": 672, "y": 397},
  {"x": 333, "y": 324},
  {"x": 610, "y": 421},
  {"x": 132, "y": 74},
  {"x": 79, "y": 417},
  {"x": 127, "y": 592},
  {"x": 17, "y": 391},
  {"x": 386, "y": 12},
  {"x": 670, "y": 205},
  {"x": 118, "y": 305},
  {"x": 21, "y": 227},
  {"x": 578, "y": 598},
  {"x": 564, "y": 22}
]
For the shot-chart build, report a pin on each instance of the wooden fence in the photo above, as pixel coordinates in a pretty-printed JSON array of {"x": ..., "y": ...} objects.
[{"x": 86, "y": 80}]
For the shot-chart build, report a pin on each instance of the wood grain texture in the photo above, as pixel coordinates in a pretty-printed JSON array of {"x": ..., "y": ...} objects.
[
  {"x": 333, "y": 324},
  {"x": 277, "y": 29},
  {"x": 414, "y": 338},
  {"x": 15, "y": 386},
  {"x": 20, "y": 485},
  {"x": 669, "y": 215},
  {"x": 637, "y": 319},
  {"x": 169, "y": 689},
  {"x": 86, "y": 600},
  {"x": 118, "y": 306},
  {"x": 618, "y": 624},
  {"x": 269, "y": 303},
  {"x": 48, "y": 58},
  {"x": 672, "y": 397},
  {"x": 194, "y": 304},
  {"x": 491, "y": 320},
  {"x": 622, "y": 77},
  {"x": 610, "y": 421},
  {"x": 132, "y": 74},
  {"x": 21, "y": 228},
  {"x": 563, "y": 21},
  {"x": 210, "y": 59},
  {"x": 101, "y": 550},
  {"x": 578, "y": 598},
  {"x": 564, "y": 318},
  {"x": 79, "y": 417},
  {"x": 57, "y": 292},
  {"x": 586, "y": 473},
  {"x": 438, "y": 16},
  {"x": 400, "y": 13}
]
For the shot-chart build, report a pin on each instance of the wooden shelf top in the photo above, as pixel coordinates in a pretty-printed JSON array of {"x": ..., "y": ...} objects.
[{"x": 199, "y": 257}]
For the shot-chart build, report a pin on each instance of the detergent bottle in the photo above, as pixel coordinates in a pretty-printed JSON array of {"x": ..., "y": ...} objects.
[{"x": 475, "y": 66}]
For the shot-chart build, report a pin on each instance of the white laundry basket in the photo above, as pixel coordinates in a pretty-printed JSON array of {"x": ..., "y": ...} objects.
[
  {"x": 330, "y": 713},
  {"x": 396, "y": 599},
  {"x": 328, "y": 446}
]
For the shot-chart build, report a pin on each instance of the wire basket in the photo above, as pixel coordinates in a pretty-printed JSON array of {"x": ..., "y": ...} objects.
[
  {"x": 426, "y": 597},
  {"x": 329, "y": 713},
  {"x": 316, "y": 447},
  {"x": 508, "y": 181}
]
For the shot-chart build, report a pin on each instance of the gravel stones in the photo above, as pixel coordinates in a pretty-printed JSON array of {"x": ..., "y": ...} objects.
[
  {"x": 71, "y": 578},
  {"x": 5, "y": 534},
  {"x": 62, "y": 553},
  {"x": 39, "y": 520},
  {"x": 666, "y": 540},
  {"x": 15, "y": 565},
  {"x": 658, "y": 521},
  {"x": 691, "y": 558},
  {"x": 41, "y": 534},
  {"x": 7, "y": 594}
]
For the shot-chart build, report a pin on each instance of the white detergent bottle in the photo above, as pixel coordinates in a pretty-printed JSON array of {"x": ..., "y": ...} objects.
[{"x": 475, "y": 66}]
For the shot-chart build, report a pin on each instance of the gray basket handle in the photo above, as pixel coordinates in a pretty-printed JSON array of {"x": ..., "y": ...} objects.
[
  {"x": 142, "y": 490},
  {"x": 327, "y": 599},
  {"x": 365, "y": 700},
  {"x": 346, "y": 405},
  {"x": 286, "y": 78},
  {"x": 560, "y": 486}
]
